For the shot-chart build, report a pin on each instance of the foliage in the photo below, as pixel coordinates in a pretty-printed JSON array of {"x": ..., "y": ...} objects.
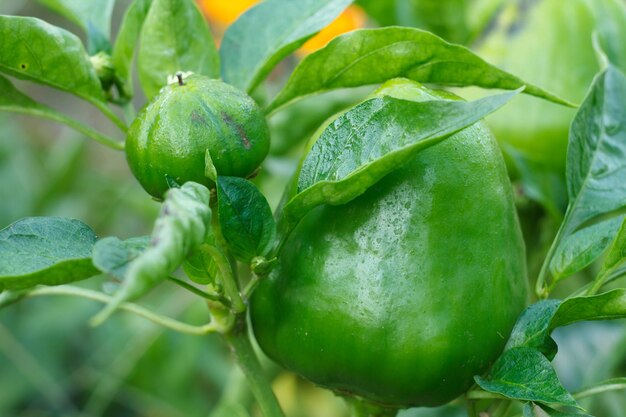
[{"x": 217, "y": 238}]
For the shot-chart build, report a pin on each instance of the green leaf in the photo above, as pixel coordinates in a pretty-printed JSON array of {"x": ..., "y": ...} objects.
[
  {"x": 179, "y": 230},
  {"x": 371, "y": 56},
  {"x": 535, "y": 324},
  {"x": 113, "y": 256},
  {"x": 524, "y": 374},
  {"x": 201, "y": 268},
  {"x": 37, "y": 51},
  {"x": 174, "y": 37},
  {"x": 532, "y": 328},
  {"x": 126, "y": 41},
  {"x": 596, "y": 168},
  {"x": 251, "y": 47},
  {"x": 374, "y": 138},
  {"x": 581, "y": 248},
  {"x": 245, "y": 218},
  {"x": 93, "y": 16},
  {"x": 609, "y": 305},
  {"x": 12, "y": 100},
  {"x": 45, "y": 251}
]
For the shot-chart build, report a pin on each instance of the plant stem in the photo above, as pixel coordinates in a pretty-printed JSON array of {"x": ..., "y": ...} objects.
[
  {"x": 540, "y": 286},
  {"x": 241, "y": 347},
  {"x": 76, "y": 125},
  {"x": 588, "y": 289},
  {"x": 106, "y": 110},
  {"x": 228, "y": 280},
  {"x": 133, "y": 308},
  {"x": 604, "y": 386},
  {"x": 213, "y": 297},
  {"x": 254, "y": 281},
  {"x": 597, "y": 284},
  {"x": 237, "y": 334}
]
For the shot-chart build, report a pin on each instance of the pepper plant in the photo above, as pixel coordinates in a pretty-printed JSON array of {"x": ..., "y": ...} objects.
[{"x": 393, "y": 269}]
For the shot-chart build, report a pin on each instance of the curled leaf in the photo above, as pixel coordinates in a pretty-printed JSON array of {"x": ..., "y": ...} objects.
[{"x": 180, "y": 229}]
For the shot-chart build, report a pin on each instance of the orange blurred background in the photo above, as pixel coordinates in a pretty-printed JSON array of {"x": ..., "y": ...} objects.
[{"x": 221, "y": 13}]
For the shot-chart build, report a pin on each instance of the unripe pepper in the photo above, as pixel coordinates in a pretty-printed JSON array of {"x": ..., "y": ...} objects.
[{"x": 404, "y": 294}]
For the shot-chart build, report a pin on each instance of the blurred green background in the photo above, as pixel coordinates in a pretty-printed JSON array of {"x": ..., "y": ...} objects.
[{"x": 52, "y": 363}]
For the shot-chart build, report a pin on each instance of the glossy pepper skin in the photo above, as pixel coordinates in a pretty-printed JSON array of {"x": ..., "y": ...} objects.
[
  {"x": 405, "y": 293},
  {"x": 171, "y": 134}
]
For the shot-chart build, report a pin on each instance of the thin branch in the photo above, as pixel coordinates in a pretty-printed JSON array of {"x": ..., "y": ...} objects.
[
  {"x": 197, "y": 291},
  {"x": 613, "y": 384},
  {"x": 133, "y": 308},
  {"x": 73, "y": 123},
  {"x": 106, "y": 110}
]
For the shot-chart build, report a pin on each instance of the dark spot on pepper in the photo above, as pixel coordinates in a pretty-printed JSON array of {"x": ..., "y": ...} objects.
[
  {"x": 242, "y": 134},
  {"x": 197, "y": 118},
  {"x": 23, "y": 66}
]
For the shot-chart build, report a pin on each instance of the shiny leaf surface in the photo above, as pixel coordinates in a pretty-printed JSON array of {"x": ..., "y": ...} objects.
[
  {"x": 374, "y": 138},
  {"x": 371, "y": 56},
  {"x": 245, "y": 218},
  {"x": 525, "y": 374}
]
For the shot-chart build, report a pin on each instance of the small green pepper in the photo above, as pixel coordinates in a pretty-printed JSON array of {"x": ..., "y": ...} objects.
[{"x": 171, "y": 135}]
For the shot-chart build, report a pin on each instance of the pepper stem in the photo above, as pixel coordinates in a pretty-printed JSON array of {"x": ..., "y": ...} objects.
[{"x": 239, "y": 343}]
